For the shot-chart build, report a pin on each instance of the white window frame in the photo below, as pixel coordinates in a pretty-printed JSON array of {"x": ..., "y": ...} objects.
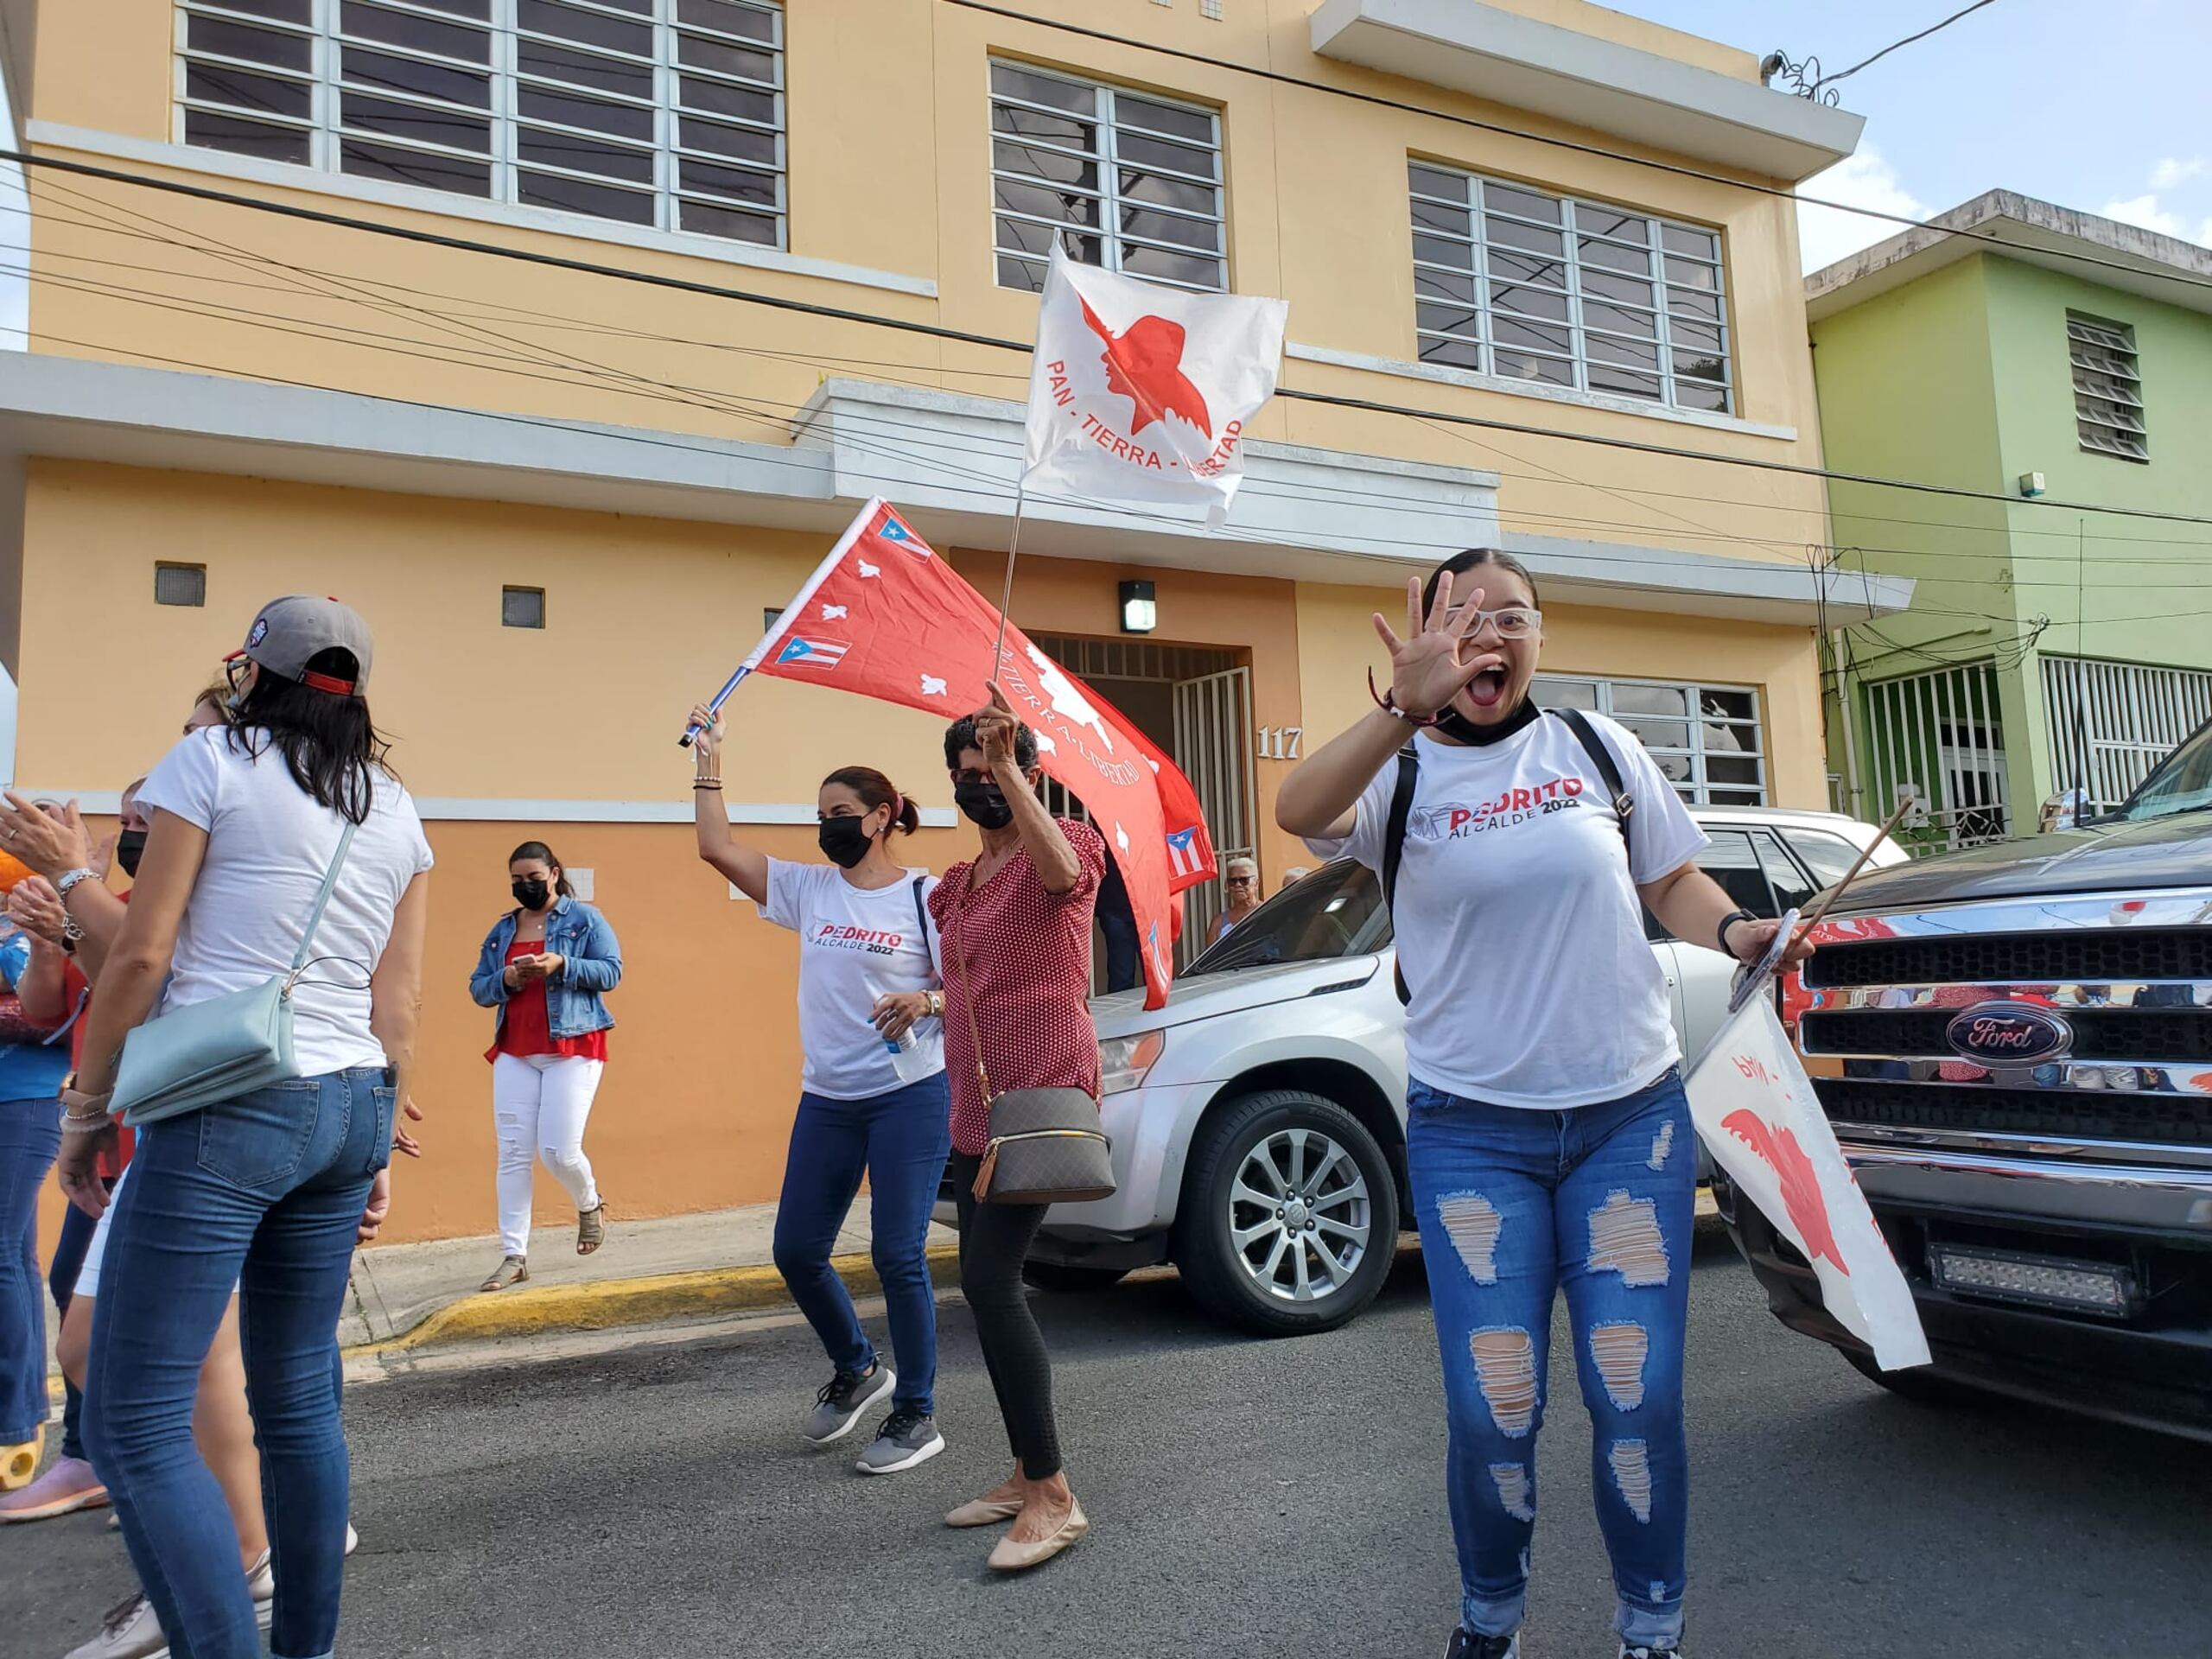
[
  {"x": 1481, "y": 332},
  {"x": 1108, "y": 233},
  {"x": 2108, "y": 418},
  {"x": 1699, "y": 791},
  {"x": 325, "y": 133}
]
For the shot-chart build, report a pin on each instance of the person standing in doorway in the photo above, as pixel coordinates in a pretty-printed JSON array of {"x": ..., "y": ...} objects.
[
  {"x": 1016, "y": 922},
  {"x": 1239, "y": 891},
  {"x": 1548, "y": 1144},
  {"x": 545, "y": 969},
  {"x": 872, "y": 1097}
]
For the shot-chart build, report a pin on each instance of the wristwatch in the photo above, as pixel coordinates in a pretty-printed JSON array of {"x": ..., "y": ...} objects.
[
  {"x": 1729, "y": 921},
  {"x": 68, "y": 879}
]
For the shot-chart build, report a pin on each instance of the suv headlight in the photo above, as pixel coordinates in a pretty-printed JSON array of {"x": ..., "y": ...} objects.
[{"x": 1123, "y": 1062}]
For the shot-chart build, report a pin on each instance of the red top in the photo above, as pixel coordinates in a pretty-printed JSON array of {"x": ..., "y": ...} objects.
[
  {"x": 1019, "y": 959},
  {"x": 528, "y": 1029},
  {"x": 108, "y": 1165}
]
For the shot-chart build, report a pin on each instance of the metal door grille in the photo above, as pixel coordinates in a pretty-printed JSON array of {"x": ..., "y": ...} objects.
[
  {"x": 2111, "y": 722},
  {"x": 1213, "y": 745},
  {"x": 1938, "y": 738}
]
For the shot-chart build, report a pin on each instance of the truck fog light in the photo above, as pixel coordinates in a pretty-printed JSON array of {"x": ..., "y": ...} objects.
[{"x": 2035, "y": 1280}]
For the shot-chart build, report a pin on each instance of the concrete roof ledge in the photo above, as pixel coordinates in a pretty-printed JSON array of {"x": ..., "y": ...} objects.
[
  {"x": 1604, "y": 85},
  {"x": 2011, "y": 225}
]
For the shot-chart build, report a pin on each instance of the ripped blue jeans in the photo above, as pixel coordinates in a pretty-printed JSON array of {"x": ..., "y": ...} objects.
[{"x": 1514, "y": 1204}]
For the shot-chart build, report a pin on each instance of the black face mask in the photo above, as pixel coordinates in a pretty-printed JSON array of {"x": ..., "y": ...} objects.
[
  {"x": 1455, "y": 725},
  {"x": 984, "y": 803},
  {"x": 531, "y": 894},
  {"x": 844, "y": 841},
  {"x": 129, "y": 848}
]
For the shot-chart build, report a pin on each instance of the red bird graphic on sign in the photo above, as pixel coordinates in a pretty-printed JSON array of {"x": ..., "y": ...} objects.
[
  {"x": 1145, "y": 365},
  {"x": 1801, "y": 1187}
]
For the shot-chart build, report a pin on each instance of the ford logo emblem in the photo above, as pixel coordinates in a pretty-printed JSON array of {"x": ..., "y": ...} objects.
[{"x": 2008, "y": 1033}]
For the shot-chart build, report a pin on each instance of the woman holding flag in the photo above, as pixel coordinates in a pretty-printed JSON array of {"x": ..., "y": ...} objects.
[
  {"x": 873, "y": 1096},
  {"x": 1549, "y": 1145},
  {"x": 1015, "y": 920}
]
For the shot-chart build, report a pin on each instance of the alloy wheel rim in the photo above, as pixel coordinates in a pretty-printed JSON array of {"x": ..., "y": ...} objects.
[{"x": 1299, "y": 1216}]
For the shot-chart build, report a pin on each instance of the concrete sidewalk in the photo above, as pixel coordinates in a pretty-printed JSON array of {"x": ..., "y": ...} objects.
[{"x": 678, "y": 1267}]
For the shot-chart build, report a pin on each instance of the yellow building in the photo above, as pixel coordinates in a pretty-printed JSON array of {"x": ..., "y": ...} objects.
[{"x": 559, "y": 336}]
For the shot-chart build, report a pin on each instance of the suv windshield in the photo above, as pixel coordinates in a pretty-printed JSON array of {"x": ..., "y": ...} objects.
[
  {"x": 1336, "y": 912},
  {"x": 2182, "y": 783}
]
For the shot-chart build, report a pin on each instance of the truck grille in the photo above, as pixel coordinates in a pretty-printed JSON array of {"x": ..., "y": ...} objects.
[
  {"x": 2092, "y": 956},
  {"x": 2072, "y": 1115},
  {"x": 2150, "y": 1036}
]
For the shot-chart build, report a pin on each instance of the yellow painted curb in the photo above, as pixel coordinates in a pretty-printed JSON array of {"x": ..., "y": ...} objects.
[{"x": 606, "y": 1304}]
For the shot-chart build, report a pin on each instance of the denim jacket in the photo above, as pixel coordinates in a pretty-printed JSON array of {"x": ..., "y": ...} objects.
[{"x": 591, "y": 965}]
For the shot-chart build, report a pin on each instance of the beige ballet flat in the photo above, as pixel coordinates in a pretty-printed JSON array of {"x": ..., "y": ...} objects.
[
  {"x": 1010, "y": 1557},
  {"x": 984, "y": 1512}
]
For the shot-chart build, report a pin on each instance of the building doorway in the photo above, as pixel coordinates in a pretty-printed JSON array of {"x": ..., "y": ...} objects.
[{"x": 1195, "y": 702}]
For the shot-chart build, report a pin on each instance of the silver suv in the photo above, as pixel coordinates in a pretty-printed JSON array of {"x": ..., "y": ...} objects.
[{"x": 1258, "y": 1120}]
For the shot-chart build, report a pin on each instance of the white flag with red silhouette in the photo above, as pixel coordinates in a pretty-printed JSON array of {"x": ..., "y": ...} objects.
[
  {"x": 885, "y": 616},
  {"x": 1756, "y": 1111},
  {"x": 1143, "y": 393}
]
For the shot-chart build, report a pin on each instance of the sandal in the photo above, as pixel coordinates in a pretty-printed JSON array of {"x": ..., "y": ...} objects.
[
  {"x": 591, "y": 1228},
  {"x": 511, "y": 1270}
]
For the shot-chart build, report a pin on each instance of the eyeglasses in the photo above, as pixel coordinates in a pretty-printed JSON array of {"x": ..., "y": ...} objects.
[
  {"x": 970, "y": 775},
  {"x": 1513, "y": 622}
]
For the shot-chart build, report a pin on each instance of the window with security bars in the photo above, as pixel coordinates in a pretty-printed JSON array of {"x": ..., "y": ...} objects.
[
  {"x": 1125, "y": 181},
  {"x": 663, "y": 113},
  {"x": 1706, "y": 739},
  {"x": 2107, "y": 387},
  {"x": 1558, "y": 291}
]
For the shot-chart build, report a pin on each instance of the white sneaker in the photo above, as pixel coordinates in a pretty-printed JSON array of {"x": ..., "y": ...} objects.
[{"x": 128, "y": 1631}]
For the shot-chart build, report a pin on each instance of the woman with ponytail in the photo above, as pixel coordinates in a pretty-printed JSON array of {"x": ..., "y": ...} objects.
[
  {"x": 545, "y": 969},
  {"x": 872, "y": 1096}
]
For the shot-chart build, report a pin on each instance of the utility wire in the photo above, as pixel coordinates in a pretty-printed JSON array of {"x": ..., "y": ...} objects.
[
  {"x": 967, "y": 337},
  {"x": 1894, "y": 45}
]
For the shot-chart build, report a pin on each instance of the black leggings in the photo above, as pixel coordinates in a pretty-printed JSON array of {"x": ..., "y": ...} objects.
[{"x": 994, "y": 1240}]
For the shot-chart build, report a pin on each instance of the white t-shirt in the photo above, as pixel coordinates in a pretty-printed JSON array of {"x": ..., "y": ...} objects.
[
  {"x": 856, "y": 944},
  {"x": 1519, "y": 926},
  {"x": 268, "y": 846}
]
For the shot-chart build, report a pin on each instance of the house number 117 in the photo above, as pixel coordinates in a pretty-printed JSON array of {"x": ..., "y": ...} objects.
[{"x": 1281, "y": 742}]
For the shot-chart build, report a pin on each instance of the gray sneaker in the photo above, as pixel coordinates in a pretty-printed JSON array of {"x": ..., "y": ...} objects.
[
  {"x": 130, "y": 1631},
  {"x": 905, "y": 1439},
  {"x": 843, "y": 1399}
]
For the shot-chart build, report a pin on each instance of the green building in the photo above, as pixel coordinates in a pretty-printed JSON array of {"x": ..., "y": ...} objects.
[{"x": 2053, "y": 358}]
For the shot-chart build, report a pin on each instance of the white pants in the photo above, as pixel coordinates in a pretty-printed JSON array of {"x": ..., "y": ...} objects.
[{"x": 540, "y": 1104}]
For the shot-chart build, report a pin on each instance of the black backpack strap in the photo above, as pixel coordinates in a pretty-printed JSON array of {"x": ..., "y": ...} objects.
[
  {"x": 1609, "y": 772},
  {"x": 922, "y": 915},
  {"x": 1394, "y": 842}
]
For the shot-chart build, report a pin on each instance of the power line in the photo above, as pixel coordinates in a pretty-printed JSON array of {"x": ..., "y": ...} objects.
[
  {"x": 1577, "y": 146},
  {"x": 1894, "y": 45},
  {"x": 967, "y": 337}
]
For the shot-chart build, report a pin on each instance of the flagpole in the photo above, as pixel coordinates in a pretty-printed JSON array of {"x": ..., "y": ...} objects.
[{"x": 1005, "y": 594}]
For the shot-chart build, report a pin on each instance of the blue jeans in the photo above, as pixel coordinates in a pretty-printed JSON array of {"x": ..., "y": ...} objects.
[
  {"x": 76, "y": 1238},
  {"x": 30, "y": 1135},
  {"x": 1513, "y": 1206},
  {"x": 265, "y": 1190},
  {"x": 901, "y": 1140}
]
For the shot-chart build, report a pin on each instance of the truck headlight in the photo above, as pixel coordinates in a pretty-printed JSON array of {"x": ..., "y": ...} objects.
[{"x": 1123, "y": 1062}]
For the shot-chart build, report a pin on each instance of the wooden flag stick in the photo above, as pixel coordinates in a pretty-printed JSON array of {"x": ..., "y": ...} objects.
[{"x": 1852, "y": 874}]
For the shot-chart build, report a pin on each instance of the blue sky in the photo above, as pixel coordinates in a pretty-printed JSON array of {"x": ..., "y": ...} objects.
[{"x": 2097, "y": 107}]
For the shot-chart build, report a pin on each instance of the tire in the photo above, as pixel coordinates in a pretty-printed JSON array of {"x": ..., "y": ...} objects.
[
  {"x": 1066, "y": 1279},
  {"x": 1318, "y": 1151},
  {"x": 1918, "y": 1385}
]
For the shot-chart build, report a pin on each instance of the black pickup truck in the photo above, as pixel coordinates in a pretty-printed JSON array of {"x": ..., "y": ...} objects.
[{"x": 2014, "y": 1044}]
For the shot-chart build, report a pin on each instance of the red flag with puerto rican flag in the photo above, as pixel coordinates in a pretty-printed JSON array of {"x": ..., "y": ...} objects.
[{"x": 885, "y": 616}]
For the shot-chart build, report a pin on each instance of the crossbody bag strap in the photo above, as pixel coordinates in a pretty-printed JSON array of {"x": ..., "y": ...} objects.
[
  {"x": 1609, "y": 771},
  {"x": 967, "y": 990},
  {"x": 321, "y": 902},
  {"x": 922, "y": 914}
]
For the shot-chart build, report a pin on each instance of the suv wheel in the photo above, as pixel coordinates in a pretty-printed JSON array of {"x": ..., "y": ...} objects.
[{"x": 1289, "y": 1219}]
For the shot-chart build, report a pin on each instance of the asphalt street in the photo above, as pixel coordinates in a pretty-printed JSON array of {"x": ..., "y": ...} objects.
[{"x": 1246, "y": 1498}]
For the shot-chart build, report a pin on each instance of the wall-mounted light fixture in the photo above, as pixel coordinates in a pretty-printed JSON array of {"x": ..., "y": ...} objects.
[{"x": 1139, "y": 613}]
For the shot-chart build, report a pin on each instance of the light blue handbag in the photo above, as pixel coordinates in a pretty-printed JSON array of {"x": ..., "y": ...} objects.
[{"x": 218, "y": 1050}]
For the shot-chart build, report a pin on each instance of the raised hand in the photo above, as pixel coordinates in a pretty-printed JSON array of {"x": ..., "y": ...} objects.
[
  {"x": 1431, "y": 665},
  {"x": 709, "y": 742},
  {"x": 994, "y": 729}
]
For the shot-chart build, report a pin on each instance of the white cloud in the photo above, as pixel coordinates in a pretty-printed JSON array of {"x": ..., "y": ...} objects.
[
  {"x": 2170, "y": 171},
  {"x": 2145, "y": 212},
  {"x": 1866, "y": 180}
]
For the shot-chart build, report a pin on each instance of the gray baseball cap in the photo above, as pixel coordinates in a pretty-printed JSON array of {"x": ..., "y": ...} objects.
[{"x": 291, "y": 630}]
